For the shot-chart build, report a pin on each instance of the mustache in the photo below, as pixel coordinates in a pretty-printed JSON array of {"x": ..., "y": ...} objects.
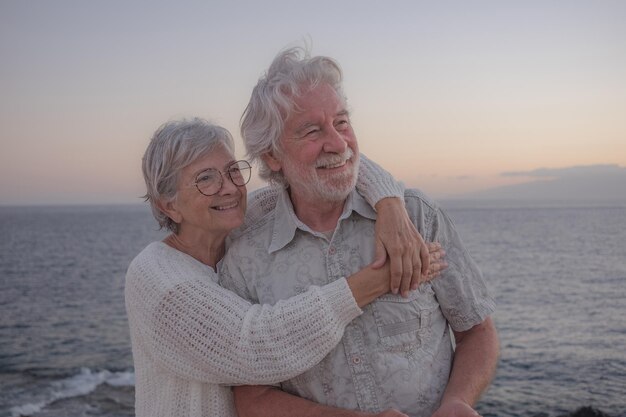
[{"x": 334, "y": 159}]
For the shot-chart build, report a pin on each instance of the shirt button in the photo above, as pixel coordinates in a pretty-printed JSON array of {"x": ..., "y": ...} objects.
[
  {"x": 331, "y": 250},
  {"x": 356, "y": 360}
]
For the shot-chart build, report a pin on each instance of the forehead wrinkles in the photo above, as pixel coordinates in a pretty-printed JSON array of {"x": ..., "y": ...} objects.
[
  {"x": 293, "y": 94},
  {"x": 315, "y": 100}
]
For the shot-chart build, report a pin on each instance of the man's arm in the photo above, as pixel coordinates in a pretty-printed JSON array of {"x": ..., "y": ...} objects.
[
  {"x": 475, "y": 361},
  {"x": 265, "y": 401}
]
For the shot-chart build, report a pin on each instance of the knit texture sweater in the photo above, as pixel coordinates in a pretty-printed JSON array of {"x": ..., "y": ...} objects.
[{"x": 192, "y": 339}]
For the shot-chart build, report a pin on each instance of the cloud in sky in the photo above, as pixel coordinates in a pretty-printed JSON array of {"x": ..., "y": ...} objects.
[
  {"x": 569, "y": 172},
  {"x": 590, "y": 183}
]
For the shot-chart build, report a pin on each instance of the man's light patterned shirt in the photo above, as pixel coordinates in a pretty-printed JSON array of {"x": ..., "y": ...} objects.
[{"x": 398, "y": 353}]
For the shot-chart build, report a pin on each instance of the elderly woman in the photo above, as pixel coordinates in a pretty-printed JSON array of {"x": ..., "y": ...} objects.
[{"x": 191, "y": 338}]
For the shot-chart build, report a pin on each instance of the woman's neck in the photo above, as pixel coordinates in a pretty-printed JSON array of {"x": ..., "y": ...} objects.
[{"x": 207, "y": 249}]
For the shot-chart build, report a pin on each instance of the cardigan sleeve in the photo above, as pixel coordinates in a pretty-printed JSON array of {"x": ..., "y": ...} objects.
[
  {"x": 374, "y": 183},
  {"x": 197, "y": 330}
]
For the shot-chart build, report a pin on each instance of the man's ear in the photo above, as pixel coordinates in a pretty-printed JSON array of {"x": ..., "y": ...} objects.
[
  {"x": 271, "y": 161},
  {"x": 169, "y": 208}
]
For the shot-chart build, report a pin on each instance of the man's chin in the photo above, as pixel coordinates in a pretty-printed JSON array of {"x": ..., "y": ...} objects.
[{"x": 336, "y": 192}]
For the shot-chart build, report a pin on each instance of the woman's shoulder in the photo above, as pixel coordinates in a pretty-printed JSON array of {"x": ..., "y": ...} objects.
[
  {"x": 154, "y": 251},
  {"x": 147, "y": 260},
  {"x": 159, "y": 261}
]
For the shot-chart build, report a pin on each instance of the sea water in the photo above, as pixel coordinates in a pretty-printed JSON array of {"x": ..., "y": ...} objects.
[{"x": 558, "y": 273}]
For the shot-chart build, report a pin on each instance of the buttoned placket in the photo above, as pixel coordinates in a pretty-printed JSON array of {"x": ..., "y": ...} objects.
[{"x": 353, "y": 340}]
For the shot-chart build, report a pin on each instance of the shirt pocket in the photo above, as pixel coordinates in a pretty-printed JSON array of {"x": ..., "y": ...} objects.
[{"x": 401, "y": 322}]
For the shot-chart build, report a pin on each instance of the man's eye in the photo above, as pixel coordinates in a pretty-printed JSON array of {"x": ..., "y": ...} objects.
[{"x": 342, "y": 124}]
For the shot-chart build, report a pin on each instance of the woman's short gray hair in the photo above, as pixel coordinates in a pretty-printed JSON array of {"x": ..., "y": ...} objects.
[
  {"x": 272, "y": 101},
  {"x": 173, "y": 146}
]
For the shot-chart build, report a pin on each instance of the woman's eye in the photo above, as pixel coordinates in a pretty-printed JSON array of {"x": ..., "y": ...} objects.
[{"x": 205, "y": 177}]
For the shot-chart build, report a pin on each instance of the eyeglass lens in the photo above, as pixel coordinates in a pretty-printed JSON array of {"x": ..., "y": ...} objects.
[{"x": 210, "y": 181}]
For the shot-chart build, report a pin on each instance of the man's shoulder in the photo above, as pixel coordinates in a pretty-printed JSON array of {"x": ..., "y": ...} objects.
[
  {"x": 423, "y": 211},
  {"x": 260, "y": 227},
  {"x": 257, "y": 234},
  {"x": 261, "y": 205},
  {"x": 416, "y": 199},
  {"x": 261, "y": 202}
]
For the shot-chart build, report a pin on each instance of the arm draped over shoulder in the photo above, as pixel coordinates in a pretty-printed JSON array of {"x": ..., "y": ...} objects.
[
  {"x": 193, "y": 328},
  {"x": 373, "y": 182}
]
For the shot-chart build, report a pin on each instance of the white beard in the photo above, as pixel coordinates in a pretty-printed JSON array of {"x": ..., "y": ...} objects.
[{"x": 332, "y": 188}]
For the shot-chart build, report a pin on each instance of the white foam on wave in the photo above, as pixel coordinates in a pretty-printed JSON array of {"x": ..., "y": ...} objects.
[
  {"x": 81, "y": 384},
  {"x": 122, "y": 379}
]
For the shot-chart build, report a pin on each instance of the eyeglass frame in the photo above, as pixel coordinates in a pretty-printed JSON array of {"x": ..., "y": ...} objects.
[{"x": 222, "y": 177}]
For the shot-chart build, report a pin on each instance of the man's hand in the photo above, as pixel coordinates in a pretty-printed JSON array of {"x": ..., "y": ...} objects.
[
  {"x": 266, "y": 401},
  {"x": 397, "y": 236},
  {"x": 455, "y": 408},
  {"x": 475, "y": 360}
]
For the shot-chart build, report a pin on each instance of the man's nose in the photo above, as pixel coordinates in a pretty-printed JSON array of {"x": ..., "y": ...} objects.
[{"x": 334, "y": 141}]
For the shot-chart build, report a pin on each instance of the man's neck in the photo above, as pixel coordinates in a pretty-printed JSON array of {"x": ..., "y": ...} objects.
[{"x": 320, "y": 215}]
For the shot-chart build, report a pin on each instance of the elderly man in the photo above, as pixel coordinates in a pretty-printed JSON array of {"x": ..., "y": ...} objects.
[{"x": 399, "y": 354}]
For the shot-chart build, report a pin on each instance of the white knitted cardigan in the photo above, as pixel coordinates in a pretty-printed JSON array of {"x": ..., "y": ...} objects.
[{"x": 191, "y": 338}]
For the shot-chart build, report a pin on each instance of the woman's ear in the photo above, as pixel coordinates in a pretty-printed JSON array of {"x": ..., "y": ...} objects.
[
  {"x": 271, "y": 161},
  {"x": 170, "y": 209}
]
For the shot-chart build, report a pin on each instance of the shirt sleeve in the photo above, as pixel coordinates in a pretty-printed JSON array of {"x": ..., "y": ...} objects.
[
  {"x": 197, "y": 330},
  {"x": 374, "y": 183},
  {"x": 461, "y": 290}
]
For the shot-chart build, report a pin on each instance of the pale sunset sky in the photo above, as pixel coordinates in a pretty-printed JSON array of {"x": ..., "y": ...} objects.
[{"x": 452, "y": 97}]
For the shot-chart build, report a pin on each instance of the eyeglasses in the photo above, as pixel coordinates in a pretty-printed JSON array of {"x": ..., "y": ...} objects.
[{"x": 209, "y": 182}]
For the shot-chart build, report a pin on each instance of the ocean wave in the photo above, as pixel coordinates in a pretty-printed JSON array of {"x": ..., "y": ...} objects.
[{"x": 83, "y": 383}]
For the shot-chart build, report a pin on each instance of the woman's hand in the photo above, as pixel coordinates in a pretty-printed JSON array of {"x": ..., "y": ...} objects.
[
  {"x": 436, "y": 262},
  {"x": 397, "y": 237},
  {"x": 370, "y": 283}
]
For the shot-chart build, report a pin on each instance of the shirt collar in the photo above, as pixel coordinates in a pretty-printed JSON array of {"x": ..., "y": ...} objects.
[{"x": 286, "y": 222}]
